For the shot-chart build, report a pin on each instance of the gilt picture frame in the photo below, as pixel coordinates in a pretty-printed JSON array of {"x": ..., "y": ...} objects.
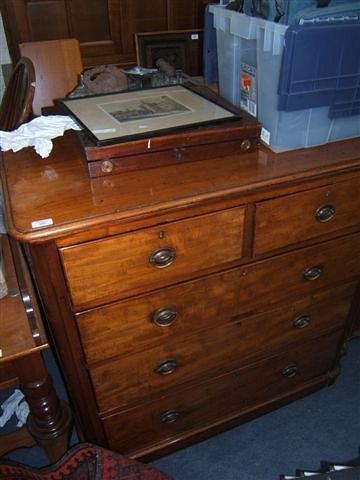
[{"x": 130, "y": 115}]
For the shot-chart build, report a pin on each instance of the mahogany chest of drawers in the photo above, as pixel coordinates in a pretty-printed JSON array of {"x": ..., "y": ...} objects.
[{"x": 185, "y": 299}]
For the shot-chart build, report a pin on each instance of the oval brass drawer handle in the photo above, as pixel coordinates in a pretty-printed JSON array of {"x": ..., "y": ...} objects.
[
  {"x": 302, "y": 321},
  {"x": 245, "y": 145},
  {"x": 290, "y": 371},
  {"x": 312, "y": 273},
  {"x": 167, "y": 367},
  {"x": 163, "y": 257},
  {"x": 164, "y": 317},
  {"x": 325, "y": 213},
  {"x": 171, "y": 416}
]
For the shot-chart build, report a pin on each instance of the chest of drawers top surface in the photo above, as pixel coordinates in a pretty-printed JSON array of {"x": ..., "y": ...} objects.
[{"x": 58, "y": 190}]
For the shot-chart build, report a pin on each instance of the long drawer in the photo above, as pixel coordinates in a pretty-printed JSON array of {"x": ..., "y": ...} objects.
[
  {"x": 295, "y": 218},
  {"x": 218, "y": 350},
  {"x": 132, "y": 263},
  {"x": 135, "y": 324},
  {"x": 166, "y": 418}
]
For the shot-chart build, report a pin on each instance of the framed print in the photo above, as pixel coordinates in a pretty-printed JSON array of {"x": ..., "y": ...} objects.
[
  {"x": 130, "y": 115},
  {"x": 180, "y": 48}
]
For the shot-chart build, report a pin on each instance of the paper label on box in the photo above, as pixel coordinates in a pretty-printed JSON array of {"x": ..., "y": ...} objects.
[
  {"x": 248, "y": 89},
  {"x": 265, "y": 136}
]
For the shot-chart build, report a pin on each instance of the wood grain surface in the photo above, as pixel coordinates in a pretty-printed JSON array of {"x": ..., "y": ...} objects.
[{"x": 250, "y": 313}]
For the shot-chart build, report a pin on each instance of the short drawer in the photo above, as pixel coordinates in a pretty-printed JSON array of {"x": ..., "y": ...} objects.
[
  {"x": 218, "y": 350},
  {"x": 240, "y": 391},
  {"x": 152, "y": 258},
  {"x": 136, "y": 324},
  {"x": 302, "y": 216}
]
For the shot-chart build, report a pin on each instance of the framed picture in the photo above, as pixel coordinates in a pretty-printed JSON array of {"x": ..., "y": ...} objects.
[
  {"x": 130, "y": 115},
  {"x": 180, "y": 48}
]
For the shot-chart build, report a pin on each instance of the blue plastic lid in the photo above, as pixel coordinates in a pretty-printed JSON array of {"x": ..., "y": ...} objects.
[
  {"x": 320, "y": 67},
  {"x": 337, "y": 10}
]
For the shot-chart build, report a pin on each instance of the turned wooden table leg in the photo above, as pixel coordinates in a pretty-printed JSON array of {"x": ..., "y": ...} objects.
[{"x": 49, "y": 420}]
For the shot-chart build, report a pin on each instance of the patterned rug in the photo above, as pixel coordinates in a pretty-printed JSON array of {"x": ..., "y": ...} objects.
[{"x": 84, "y": 462}]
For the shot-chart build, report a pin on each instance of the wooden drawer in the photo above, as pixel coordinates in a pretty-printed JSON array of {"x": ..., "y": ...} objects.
[
  {"x": 302, "y": 216},
  {"x": 127, "y": 326},
  {"x": 219, "y": 349},
  {"x": 136, "y": 262},
  {"x": 240, "y": 391}
]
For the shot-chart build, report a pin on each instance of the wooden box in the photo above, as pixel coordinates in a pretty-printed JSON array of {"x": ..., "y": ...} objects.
[
  {"x": 224, "y": 137},
  {"x": 189, "y": 145}
]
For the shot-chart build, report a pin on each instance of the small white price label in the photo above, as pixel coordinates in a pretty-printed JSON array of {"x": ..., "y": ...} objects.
[{"x": 42, "y": 223}]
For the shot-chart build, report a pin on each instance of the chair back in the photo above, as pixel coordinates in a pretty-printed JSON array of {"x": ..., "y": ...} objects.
[
  {"x": 57, "y": 66},
  {"x": 16, "y": 104}
]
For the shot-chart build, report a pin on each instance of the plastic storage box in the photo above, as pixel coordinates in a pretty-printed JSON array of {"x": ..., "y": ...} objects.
[
  {"x": 290, "y": 12},
  {"x": 250, "y": 57}
]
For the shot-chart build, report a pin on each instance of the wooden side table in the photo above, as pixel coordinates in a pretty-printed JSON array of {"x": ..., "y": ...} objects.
[{"x": 21, "y": 363}]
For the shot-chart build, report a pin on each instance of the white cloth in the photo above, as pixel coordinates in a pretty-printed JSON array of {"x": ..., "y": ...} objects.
[
  {"x": 15, "y": 404},
  {"x": 22, "y": 412},
  {"x": 38, "y": 133}
]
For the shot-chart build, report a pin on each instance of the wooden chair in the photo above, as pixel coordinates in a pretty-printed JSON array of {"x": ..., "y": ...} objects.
[
  {"x": 16, "y": 105},
  {"x": 57, "y": 66},
  {"x": 21, "y": 364}
]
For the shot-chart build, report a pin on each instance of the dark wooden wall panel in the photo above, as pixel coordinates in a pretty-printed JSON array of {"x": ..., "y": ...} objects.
[
  {"x": 105, "y": 28},
  {"x": 150, "y": 16},
  {"x": 90, "y": 20},
  {"x": 47, "y": 20},
  {"x": 182, "y": 14}
]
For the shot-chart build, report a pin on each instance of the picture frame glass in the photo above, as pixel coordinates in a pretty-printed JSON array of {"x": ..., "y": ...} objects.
[{"x": 129, "y": 115}]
